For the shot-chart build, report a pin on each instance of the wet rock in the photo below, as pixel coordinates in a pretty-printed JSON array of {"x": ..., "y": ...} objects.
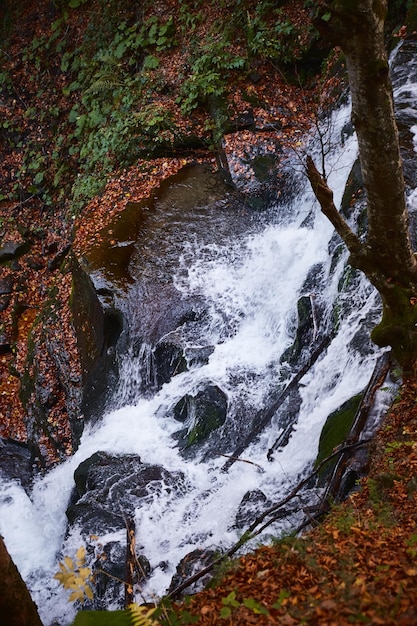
[
  {"x": 36, "y": 262},
  {"x": 305, "y": 333},
  {"x": 6, "y": 285},
  {"x": 109, "y": 572},
  {"x": 252, "y": 505},
  {"x": 98, "y": 327},
  {"x": 334, "y": 433},
  {"x": 168, "y": 330},
  {"x": 58, "y": 259},
  {"x": 6, "y": 290},
  {"x": 263, "y": 166},
  {"x": 353, "y": 185},
  {"x": 174, "y": 317},
  {"x": 49, "y": 377},
  {"x": 199, "y": 355},
  {"x": 4, "y": 302},
  {"x": 13, "y": 249},
  {"x": 169, "y": 360},
  {"x": 192, "y": 563},
  {"x": 5, "y": 344},
  {"x": 16, "y": 462},
  {"x": 93, "y": 519},
  {"x": 201, "y": 414},
  {"x": 109, "y": 488}
]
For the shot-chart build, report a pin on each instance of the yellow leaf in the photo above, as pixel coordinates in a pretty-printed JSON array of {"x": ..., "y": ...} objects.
[
  {"x": 71, "y": 584},
  {"x": 84, "y": 572},
  {"x": 76, "y": 595},
  {"x": 69, "y": 563},
  {"x": 80, "y": 554},
  {"x": 88, "y": 592}
]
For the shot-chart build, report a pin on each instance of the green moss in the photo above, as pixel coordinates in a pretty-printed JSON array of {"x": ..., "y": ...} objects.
[
  {"x": 398, "y": 326},
  {"x": 337, "y": 428},
  {"x": 204, "y": 425}
]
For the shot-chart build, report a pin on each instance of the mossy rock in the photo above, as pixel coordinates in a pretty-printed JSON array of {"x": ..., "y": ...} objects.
[
  {"x": 335, "y": 431},
  {"x": 201, "y": 414}
]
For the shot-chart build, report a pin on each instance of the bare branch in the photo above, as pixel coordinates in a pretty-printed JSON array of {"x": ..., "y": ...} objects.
[{"x": 324, "y": 196}]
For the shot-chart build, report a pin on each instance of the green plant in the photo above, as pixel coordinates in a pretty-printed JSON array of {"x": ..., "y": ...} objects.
[
  {"x": 75, "y": 4},
  {"x": 170, "y": 615},
  {"x": 391, "y": 449},
  {"x": 272, "y": 41},
  {"x": 209, "y": 75},
  {"x": 134, "y": 615},
  {"x": 230, "y": 602},
  {"x": 189, "y": 19},
  {"x": 141, "y": 616}
]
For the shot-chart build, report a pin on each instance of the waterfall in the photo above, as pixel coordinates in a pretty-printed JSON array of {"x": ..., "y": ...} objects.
[{"x": 250, "y": 284}]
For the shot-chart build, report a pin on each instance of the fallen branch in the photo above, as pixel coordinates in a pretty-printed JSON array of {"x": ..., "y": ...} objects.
[
  {"x": 280, "y": 442},
  {"x": 130, "y": 562},
  {"x": 266, "y": 416},
  {"x": 235, "y": 458}
]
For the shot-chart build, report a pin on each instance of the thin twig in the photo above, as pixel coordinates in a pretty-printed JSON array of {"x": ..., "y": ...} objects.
[
  {"x": 22, "y": 202},
  {"x": 236, "y": 458}
]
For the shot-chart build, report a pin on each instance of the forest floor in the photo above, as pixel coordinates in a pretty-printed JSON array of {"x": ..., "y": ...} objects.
[{"x": 360, "y": 564}]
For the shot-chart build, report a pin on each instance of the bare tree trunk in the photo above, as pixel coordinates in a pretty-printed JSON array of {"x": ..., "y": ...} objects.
[
  {"x": 386, "y": 256},
  {"x": 16, "y": 606}
]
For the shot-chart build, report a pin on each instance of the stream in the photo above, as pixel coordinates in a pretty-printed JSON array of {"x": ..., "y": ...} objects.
[{"x": 231, "y": 288}]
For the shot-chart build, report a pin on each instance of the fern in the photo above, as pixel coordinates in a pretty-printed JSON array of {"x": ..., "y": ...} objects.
[
  {"x": 141, "y": 616},
  {"x": 107, "y": 77}
]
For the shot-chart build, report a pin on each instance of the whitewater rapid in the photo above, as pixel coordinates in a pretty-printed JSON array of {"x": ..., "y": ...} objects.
[{"x": 251, "y": 286}]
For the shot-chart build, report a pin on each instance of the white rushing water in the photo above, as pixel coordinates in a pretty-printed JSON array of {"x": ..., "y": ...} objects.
[{"x": 253, "y": 283}]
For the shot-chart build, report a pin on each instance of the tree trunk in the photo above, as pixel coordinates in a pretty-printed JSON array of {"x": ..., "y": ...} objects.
[
  {"x": 16, "y": 606},
  {"x": 386, "y": 256}
]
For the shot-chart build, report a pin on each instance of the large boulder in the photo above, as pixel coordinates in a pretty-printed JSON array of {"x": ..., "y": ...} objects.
[
  {"x": 253, "y": 503},
  {"x": 98, "y": 324},
  {"x": 108, "y": 489}
]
